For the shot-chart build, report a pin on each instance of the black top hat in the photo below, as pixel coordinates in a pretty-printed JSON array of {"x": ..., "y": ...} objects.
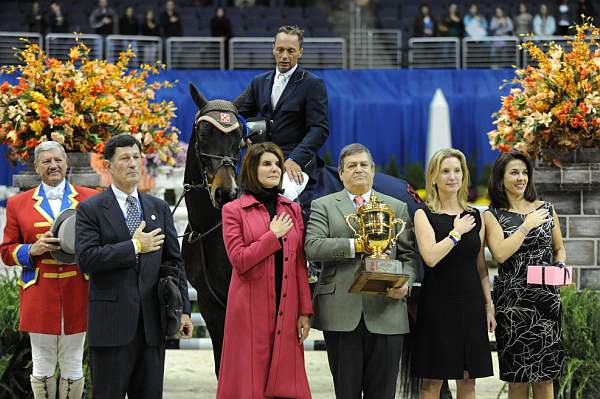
[{"x": 64, "y": 229}]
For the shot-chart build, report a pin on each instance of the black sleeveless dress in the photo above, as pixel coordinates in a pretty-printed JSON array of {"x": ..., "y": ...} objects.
[
  {"x": 529, "y": 332},
  {"x": 451, "y": 334}
]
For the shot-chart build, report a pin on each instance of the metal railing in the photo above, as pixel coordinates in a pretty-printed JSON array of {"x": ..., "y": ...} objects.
[
  {"x": 375, "y": 48},
  {"x": 368, "y": 48},
  {"x": 147, "y": 49},
  {"x": 195, "y": 52},
  {"x": 12, "y": 41},
  {"x": 257, "y": 53},
  {"x": 490, "y": 52},
  {"x": 434, "y": 52},
  {"x": 324, "y": 53},
  {"x": 57, "y": 45},
  {"x": 250, "y": 53}
]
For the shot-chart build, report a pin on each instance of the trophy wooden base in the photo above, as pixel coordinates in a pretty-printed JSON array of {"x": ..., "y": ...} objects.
[{"x": 377, "y": 276}]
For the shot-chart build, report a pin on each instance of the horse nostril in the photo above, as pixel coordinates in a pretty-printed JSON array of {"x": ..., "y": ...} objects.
[{"x": 218, "y": 195}]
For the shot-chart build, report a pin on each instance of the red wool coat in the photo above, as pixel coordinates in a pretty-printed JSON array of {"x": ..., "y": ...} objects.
[
  {"x": 261, "y": 356},
  {"x": 51, "y": 289}
]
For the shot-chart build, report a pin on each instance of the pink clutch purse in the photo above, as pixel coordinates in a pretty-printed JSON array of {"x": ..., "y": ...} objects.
[{"x": 549, "y": 275}]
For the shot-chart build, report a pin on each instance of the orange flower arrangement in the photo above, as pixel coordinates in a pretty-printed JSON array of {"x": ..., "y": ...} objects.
[
  {"x": 82, "y": 102},
  {"x": 556, "y": 105}
]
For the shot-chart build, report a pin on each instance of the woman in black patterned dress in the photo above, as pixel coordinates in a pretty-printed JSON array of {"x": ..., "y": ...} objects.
[
  {"x": 452, "y": 321},
  {"x": 523, "y": 231}
]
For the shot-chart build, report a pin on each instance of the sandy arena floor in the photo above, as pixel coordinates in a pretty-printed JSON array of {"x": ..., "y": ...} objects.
[{"x": 189, "y": 375}]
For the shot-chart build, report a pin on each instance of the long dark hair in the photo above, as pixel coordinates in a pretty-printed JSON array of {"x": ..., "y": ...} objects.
[{"x": 496, "y": 189}]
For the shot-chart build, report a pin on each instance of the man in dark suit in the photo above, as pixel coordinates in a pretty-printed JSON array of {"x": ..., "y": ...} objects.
[
  {"x": 363, "y": 333},
  {"x": 123, "y": 237},
  {"x": 295, "y": 100}
]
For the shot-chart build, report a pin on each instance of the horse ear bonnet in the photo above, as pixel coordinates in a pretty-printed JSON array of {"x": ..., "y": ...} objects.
[
  {"x": 169, "y": 298},
  {"x": 221, "y": 114}
]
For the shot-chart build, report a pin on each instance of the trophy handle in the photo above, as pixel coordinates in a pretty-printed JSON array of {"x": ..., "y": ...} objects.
[
  {"x": 401, "y": 222},
  {"x": 353, "y": 216}
]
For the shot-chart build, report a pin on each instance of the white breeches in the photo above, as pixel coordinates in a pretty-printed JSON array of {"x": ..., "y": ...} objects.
[{"x": 66, "y": 350}]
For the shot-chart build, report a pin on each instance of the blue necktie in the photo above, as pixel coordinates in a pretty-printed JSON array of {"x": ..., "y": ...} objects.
[{"x": 134, "y": 217}]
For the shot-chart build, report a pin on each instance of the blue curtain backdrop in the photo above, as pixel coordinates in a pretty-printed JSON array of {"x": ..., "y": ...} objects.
[{"x": 386, "y": 110}]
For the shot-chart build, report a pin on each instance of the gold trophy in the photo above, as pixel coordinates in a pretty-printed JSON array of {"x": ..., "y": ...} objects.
[{"x": 376, "y": 222}]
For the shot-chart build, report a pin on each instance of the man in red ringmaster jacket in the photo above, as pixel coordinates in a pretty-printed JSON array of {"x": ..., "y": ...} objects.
[{"x": 53, "y": 295}]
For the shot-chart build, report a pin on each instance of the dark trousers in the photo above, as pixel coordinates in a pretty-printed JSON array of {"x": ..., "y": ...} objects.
[
  {"x": 363, "y": 362},
  {"x": 135, "y": 369}
]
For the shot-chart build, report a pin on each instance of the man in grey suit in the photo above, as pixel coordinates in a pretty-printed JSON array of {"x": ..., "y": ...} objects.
[{"x": 363, "y": 333}]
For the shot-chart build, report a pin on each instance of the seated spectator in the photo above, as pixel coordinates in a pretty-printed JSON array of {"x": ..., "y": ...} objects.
[
  {"x": 475, "y": 24},
  {"x": 128, "y": 23},
  {"x": 501, "y": 25},
  {"x": 35, "y": 20},
  {"x": 170, "y": 21},
  {"x": 452, "y": 24},
  {"x": 564, "y": 17},
  {"x": 150, "y": 25},
  {"x": 585, "y": 7},
  {"x": 57, "y": 20},
  {"x": 523, "y": 21},
  {"x": 543, "y": 23},
  {"x": 103, "y": 19},
  {"x": 244, "y": 3},
  {"x": 220, "y": 25},
  {"x": 425, "y": 25}
]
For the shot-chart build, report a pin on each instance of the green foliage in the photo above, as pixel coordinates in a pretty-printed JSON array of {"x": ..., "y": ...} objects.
[
  {"x": 484, "y": 177},
  {"x": 15, "y": 351},
  {"x": 581, "y": 339},
  {"x": 392, "y": 167},
  {"x": 472, "y": 168},
  {"x": 415, "y": 175}
]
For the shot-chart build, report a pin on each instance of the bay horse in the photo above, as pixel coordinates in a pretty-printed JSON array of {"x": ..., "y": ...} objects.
[{"x": 211, "y": 181}]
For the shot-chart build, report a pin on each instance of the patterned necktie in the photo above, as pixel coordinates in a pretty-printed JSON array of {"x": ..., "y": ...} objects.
[
  {"x": 134, "y": 218},
  {"x": 359, "y": 201},
  {"x": 278, "y": 87}
]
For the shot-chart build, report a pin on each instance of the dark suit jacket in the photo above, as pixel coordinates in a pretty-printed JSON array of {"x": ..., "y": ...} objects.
[
  {"x": 119, "y": 287},
  {"x": 300, "y": 121}
]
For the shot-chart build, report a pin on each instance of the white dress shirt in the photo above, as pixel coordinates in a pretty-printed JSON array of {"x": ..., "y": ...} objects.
[
  {"x": 122, "y": 201},
  {"x": 280, "y": 82},
  {"x": 54, "y": 194}
]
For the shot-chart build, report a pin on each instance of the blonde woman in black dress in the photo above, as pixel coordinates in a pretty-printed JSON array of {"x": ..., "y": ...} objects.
[
  {"x": 523, "y": 231},
  {"x": 455, "y": 304}
]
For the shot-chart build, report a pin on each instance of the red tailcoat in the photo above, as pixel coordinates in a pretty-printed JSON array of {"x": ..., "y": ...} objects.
[
  {"x": 261, "y": 355},
  {"x": 49, "y": 289}
]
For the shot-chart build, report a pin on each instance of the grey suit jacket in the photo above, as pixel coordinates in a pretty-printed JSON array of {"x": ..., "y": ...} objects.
[{"x": 327, "y": 241}]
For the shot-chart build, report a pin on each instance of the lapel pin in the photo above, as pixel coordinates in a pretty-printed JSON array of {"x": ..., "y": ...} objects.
[{"x": 153, "y": 217}]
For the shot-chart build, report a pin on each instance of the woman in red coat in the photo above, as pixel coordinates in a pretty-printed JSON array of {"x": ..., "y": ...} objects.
[{"x": 269, "y": 302}]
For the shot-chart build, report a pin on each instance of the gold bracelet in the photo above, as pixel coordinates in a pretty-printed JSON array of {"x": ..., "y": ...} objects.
[{"x": 490, "y": 306}]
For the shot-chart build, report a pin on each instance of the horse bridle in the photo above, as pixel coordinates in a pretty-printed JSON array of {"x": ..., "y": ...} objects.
[
  {"x": 194, "y": 236},
  {"x": 226, "y": 162}
]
